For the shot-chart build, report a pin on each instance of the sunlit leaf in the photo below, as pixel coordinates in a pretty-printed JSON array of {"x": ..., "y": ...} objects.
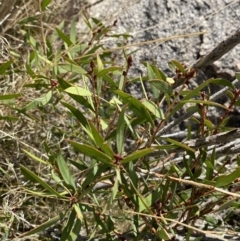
[
  {"x": 32, "y": 176},
  {"x": 135, "y": 105},
  {"x": 204, "y": 102},
  {"x": 224, "y": 180},
  {"x": 75, "y": 90},
  {"x": 64, "y": 37},
  {"x": 161, "y": 85},
  {"x": 136, "y": 155},
  {"x": 153, "y": 108},
  {"x": 92, "y": 152},
  {"x": 44, "y": 4},
  {"x": 177, "y": 66},
  {"x": 35, "y": 157},
  {"x": 68, "y": 67},
  {"x": 180, "y": 145},
  {"x": 100, "y": 141}
]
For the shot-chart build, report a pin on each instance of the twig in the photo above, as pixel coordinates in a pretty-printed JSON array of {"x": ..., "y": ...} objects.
[
  {"x": 191, "y": 112},
  {"x": 214, "y": 139},
  {"x": 216, "y": 53}
]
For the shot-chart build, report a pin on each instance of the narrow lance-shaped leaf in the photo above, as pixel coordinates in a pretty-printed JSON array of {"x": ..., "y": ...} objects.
[
  {"x": 92, "y": 152},
  {"x": 120, "y": 132},
  {"x": 35, "y": 157},
  {"x": 5, "y": 66},
  {"x": 41, "y": 101},
  {"x": 99, "y": 78},
  {"x": 73, "y": 32},
  {"x": 204, "y": 102},
  {"x": 68, "y": 67},
  {"x": 100, "y": 141},
  {"x": 45, "y": 225},
  {"x": 75, "y": 231},
  {"x": 180, "y": 145},
  {"x": 161, "y": 85},
  {"x": 44, "y": 4},
  {"x": 114, "y": 192},
  {"x": 224, "y": 180},
  {"x": 153, "y": 108},
  {"x": 136, "y": 155},
  {"x": 176, "y": 65},
  {"x": 78, "y": 114},
  {"x": 151, "y": 75},
  {"x": 31, "y": 176},
  {"x": 64, "y": 37},
  {"x": 65, "y": 172},
  {"x": 75, "y": 90},
  {"x": 9, "y": 96},
  {"x": 67, "y": 229},
  {"x": 135, "y": 105}
]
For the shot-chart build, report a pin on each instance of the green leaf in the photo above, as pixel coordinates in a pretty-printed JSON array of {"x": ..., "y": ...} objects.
[
  {"x": 109, "y": 70},
  {"x": 78, "y": 114},
  {"x": 158, "y": 73},
  {"x": 180, "y": 145},
  {"x": 153, "y": 108},
  {"x": 196, "y": 92},
  {"x": 64, "y": 37},
  {"x": 65, "y": 172},
  {"x": 210, "y": 163},
  {"x": 69, "y": 67},
  {"x": 41, "y": 101},
  {"x": 73, "y": 32},
  {"x": 45, "y": 225},
  {"x": 5, "y": 66},
  {"x": 75, "y": 231},
  {"x": 135, "y": 105},
  {"x": 9, "y": 97},
  {"x": 9, "y": 118},
  {"x": 79, "y": 99},
  {"x": 192, "y": 93},
  {"x": 78, "y": 211},
  {"x": 44, "y": 4},
  {"x": 163, "y": 233},
  {"x": 204, "y": 102},
  {"x": 223, "y": 82},
  {"x": 100, "y": 141},
  {"x": 161, "y": 85},
  {"x": 177, "y": 65},
  {"x": 92, "y": 152},
  {"x": 113, "y": 192},
  {"x": 224, "y": 180},
  {"x": 238, "y": 75},
  {"x": 75, "y": 90},
  {"x": 136, "y": 155},
  {"x": 151, "y": 75},
  {"x": 67, "y": 229},
  {"x": 33, "y": 177},
  {"x": 35, "y": 157},
  {"x": 212, "y": 220},
  {"x": 99, "y": 78},
  {"x": 120, "y": 132}
]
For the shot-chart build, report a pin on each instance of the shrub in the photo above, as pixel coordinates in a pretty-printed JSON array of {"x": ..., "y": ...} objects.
[{"x": 119, "y": 165}]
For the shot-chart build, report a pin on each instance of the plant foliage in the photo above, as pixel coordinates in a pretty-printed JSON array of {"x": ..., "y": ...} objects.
[{"x": 130, "y": 174}]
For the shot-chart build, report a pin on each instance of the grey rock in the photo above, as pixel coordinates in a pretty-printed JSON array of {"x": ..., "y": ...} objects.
[{"x": 154, "y": 19}]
